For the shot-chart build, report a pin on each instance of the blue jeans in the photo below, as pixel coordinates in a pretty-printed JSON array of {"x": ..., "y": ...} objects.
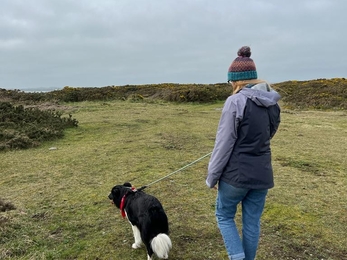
[{"x": 253, "y": 202}]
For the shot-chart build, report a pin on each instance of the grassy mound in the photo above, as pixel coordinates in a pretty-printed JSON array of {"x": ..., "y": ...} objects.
[
  {"x": 170, "y": 92},
  {"x": 314, "y": 94}
]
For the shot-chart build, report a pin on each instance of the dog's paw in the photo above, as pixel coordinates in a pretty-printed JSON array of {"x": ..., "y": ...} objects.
[{"x": 135, "y": 246}]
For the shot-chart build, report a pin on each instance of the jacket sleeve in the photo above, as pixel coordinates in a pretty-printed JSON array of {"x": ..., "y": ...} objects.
[
  {"x": 225, "y": 139},
  {"x": 275, "y": 119}
]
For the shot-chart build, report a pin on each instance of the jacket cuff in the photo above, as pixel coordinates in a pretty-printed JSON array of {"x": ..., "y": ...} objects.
[{"x": 209, "y": 184}]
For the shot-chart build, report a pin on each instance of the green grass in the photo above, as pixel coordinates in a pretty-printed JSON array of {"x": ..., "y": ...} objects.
[{"x": 60, "y": 196}]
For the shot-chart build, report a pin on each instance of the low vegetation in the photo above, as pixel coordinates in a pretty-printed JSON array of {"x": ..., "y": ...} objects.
[
  {"x": 167, "y": 92},
  {"x": 54, "y": 205},
  {"x": 27, "y": 119},
  {"x": 312, "y": 94},
  {"x": 324, "y": 94},
  {"x": 22, "y": 128}
]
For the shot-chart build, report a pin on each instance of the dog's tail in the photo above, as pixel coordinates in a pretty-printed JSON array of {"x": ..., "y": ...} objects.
[{"x": 161, "y": 245}]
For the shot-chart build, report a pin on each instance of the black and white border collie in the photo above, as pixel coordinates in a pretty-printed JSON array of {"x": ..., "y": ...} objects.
[{"x": 147, "y": 217}]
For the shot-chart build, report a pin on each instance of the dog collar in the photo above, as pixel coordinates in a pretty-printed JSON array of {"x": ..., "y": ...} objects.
[{"x": 122, "y": 203}]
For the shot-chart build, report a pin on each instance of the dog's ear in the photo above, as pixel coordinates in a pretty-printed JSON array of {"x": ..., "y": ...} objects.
[
  {"x": 115, "y": 191},
  {"x": 127, "y": 184},
  {"x": 116, "y": 195}
]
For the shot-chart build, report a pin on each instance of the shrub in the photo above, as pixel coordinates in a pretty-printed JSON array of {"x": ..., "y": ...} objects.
[
  {"x": 316, "y": 94},
  {"x": 27, "y": 127}
]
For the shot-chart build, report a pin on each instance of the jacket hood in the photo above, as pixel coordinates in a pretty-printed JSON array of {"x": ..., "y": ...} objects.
[{"x": 261, "y": 94}]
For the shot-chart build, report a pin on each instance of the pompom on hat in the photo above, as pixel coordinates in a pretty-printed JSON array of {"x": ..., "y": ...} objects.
[{"x": 243, "y": 67}]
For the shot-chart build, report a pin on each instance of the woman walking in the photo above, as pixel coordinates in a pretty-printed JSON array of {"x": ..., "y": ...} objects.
[{"x": 240, "y": 163}]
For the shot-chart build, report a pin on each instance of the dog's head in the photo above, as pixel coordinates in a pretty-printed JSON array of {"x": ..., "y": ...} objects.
[{"x": 118, "y": 192}]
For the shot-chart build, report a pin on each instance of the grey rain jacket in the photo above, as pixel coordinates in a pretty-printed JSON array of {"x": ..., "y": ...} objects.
[{"x": 242, "y": 156}]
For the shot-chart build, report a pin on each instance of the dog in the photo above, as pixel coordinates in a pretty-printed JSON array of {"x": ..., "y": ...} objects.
[{"x": 147, "y": 217}]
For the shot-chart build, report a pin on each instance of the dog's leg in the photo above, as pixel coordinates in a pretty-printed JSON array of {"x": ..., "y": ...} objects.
[
  {"x": 137, "y": 236},
  {"x": 149, "y": 258}
]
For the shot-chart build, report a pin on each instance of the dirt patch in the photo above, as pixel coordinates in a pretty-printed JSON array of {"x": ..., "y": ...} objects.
[{"x": 6, "y": 206}]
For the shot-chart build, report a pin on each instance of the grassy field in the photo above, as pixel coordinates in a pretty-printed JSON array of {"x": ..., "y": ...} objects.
[{"x": 60, "y": 195}]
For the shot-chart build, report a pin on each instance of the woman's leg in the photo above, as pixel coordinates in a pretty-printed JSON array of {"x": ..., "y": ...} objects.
[
  {"x": 252, "y": 209},
  {"x": 227, "y": 200}
]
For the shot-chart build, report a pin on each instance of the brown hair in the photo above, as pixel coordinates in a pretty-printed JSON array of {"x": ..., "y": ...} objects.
[{"x": 240, "y": 84}]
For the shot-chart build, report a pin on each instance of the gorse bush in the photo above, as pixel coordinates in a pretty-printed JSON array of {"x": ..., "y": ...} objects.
[
  {"x": 27, "y": 127},
  {"x": 167, "y": 92},
  {"x": 312, "y": 94}
]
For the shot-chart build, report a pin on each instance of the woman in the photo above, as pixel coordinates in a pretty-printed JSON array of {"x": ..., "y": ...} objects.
[{"x": 241, "y": 160}]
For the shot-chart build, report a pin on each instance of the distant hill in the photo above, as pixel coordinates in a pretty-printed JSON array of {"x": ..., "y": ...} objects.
[{"x": 311, "y": 94}]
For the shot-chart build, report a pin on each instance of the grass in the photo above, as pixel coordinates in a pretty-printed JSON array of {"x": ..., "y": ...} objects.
[{"x": 59, "y": 206}]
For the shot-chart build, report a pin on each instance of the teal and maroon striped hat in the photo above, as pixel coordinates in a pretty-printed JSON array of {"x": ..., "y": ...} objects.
[{"x": 243, "y": 67}]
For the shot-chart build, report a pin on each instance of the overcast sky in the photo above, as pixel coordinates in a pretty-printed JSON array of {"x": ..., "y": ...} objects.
[{"x": 49, "y": 44}]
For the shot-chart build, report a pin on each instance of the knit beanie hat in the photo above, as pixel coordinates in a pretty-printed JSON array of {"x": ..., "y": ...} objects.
[{"x": 243, "y": 67}]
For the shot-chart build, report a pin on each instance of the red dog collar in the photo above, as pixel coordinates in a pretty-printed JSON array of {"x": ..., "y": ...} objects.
[
  {"x": 122, "y": 202},
  {"x": 122, "y": 211}
]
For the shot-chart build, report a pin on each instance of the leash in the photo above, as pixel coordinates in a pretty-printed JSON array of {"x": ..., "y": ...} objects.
[
  {"x": 172, "y": 173},
  {"x": 133, "y": 189}
]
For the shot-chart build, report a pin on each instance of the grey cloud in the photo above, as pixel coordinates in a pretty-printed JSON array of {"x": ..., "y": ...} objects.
[{"x": 50, "y": 44}]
